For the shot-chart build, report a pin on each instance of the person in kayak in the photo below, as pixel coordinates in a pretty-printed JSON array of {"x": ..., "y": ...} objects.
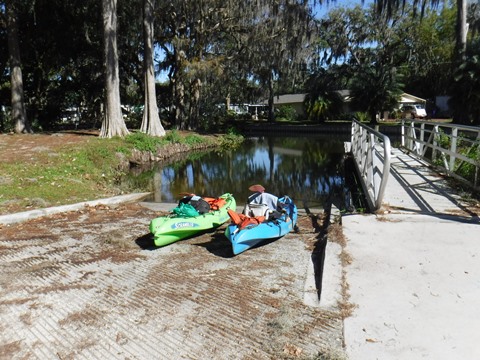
[
  {"x": 261, "y": 206},
  {"x": 259, "y": 196},
  {"x": 269, "y": 201}
]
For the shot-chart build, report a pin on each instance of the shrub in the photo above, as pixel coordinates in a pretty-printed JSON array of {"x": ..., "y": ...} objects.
[
  {"x": 287, "y": 113},
  {"x": 467, "y": 170},
  {"x": 173, "y": 137},
  {"x": 231, "y": 140},
  {"x": 362, "y": 116},
  {"x": 193, "y": 139},
  {"x": 144, "y": 142}
]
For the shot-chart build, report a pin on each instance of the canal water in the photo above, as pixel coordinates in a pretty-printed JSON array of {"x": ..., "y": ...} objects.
[{"x": 309, "y": 169}]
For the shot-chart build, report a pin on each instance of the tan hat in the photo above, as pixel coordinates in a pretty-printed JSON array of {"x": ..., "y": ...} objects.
[{"x": 257, "y": 188}]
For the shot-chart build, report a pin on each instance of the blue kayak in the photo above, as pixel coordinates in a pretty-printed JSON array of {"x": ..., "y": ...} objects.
[{"x": 244, "y": 238}]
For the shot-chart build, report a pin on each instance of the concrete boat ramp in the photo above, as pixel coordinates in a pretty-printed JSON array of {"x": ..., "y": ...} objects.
[{"x": 86, "y": 283}]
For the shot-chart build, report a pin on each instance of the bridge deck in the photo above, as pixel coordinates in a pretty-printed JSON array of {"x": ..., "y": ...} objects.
[
  {"x": 415, "y": 270},
  {"x": 413, "y": 187}
]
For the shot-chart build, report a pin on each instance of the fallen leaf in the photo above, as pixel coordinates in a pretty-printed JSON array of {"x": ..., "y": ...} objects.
[{"x": 292, "y": 350}]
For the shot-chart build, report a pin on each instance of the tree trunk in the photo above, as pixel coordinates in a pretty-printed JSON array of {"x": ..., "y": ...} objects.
[
  {"x": 373, "y": 117},
  {"x": 179, "y": 92},
  {"x": 227, "y": 103},
  {"x": 151, "y": 120},
  {"x": 179, "y": 106},
  {"x": 19, "y": 114},
  {"x": 195, "y": 103},
  {"x": 461, "y": 113},
  {"x": 461, "y": 41},
  {"x": 2, "y": 121},
  {"x": 271, "y": 110},
  {"x": 113, "y": 124}
]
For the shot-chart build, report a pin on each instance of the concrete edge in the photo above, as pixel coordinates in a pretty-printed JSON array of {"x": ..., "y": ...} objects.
[
  {"x": 156, "y": 206},
  {"x": 33, "y": 214},
  {"x": 331, "y": 295}
]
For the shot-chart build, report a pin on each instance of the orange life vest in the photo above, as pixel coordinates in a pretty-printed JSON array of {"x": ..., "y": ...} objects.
[{"x": 242, "y": 221}]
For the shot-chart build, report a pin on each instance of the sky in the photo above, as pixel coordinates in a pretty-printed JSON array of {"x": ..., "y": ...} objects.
[{"x": 323, "y": 9}]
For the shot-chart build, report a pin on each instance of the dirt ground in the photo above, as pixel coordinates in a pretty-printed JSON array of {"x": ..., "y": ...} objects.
[{"x": 14, "y": 148}]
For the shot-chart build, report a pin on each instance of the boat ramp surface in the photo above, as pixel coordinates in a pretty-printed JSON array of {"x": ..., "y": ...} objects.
[{"x": 88, "y": 284}]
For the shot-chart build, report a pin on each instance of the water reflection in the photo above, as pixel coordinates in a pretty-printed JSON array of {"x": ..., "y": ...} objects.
[{"x": 308, "y": 169}]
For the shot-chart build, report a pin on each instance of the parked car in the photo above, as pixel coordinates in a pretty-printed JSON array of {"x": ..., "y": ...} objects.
[{"x": 415, "y": 111}]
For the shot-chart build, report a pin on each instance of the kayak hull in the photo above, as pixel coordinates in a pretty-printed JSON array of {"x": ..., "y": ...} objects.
[
  {"x": 253, "y": 235},
  {"x": 169, "y": 229}
]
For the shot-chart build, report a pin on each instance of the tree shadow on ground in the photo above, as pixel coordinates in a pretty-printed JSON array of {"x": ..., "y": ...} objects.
[
  {"x": 147, "y": 242},
  {"x": 318, "y": 254},
  {"x": 220, "y": 246}
]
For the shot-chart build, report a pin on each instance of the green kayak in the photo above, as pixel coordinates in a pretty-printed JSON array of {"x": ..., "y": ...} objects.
[{"x": 180, "y": 224}]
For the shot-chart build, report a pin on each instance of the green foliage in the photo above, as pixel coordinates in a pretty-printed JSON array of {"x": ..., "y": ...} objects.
[
  {"x": 362, "y": 116},
  {"x": 231, "y": 114},
  {"x": 231, "y": 140},
  {"x": 412, "y": 54},
  {"x": 464, "y": 147},
  {"x": 428, "y": 47},
  {"x": 443, "y": 140},
  {"x": 345, "y": 30},
  {"x": 467, "y": 170},
  {"x": 99, "y": 158},
  {"x": 465, "y": 100},
  {"x": 345, "y": 116},
  {"x": 174, "y": 137},
  {"x": 133, "y": 117},
  {"x": 321, "y": 107},
  {"x": 193, "y": 139},
  {"x": 375, "y": 90},
  {"x": 54, "y": 78},
  {"x": 323, "y": 101},
  {"x": 213, "y": 118},
  {"x": 144, "y": 142},
  {"x": 287, "y": 113},
  {"x": 62, "y": 61},
  {"x": 232, "y": 131},
  {"x": 395, "y": 114}
]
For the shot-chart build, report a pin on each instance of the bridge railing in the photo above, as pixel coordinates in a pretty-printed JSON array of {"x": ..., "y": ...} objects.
[
  {"x": 452, "y": 149},
  {"x": 371, "y": 152}
]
